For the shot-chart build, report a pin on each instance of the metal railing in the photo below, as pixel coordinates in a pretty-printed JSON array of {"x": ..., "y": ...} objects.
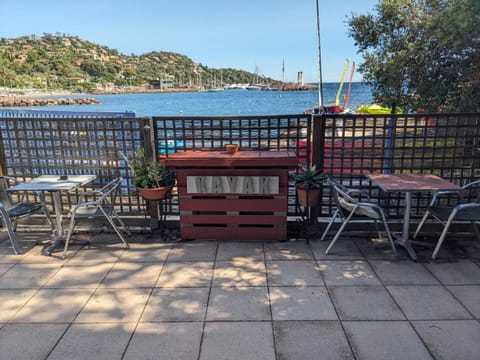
[
  {"x": 36, "y": 114},
  {"x": 447, "y": 145},
  {"x": 343, "y": 146}
]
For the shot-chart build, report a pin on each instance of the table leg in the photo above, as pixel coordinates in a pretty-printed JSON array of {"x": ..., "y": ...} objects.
[
  {"x": 405, "y": 241},
  {"x": 57, "y": 206}
]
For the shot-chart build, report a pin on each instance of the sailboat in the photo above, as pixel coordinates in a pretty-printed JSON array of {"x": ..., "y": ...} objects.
[
  {"x": 216, "y": 88},
  {"x": 254, "y": 85}
]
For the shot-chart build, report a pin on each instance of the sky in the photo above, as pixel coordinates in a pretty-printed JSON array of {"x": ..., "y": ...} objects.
[{"x": 267, "y": 35}]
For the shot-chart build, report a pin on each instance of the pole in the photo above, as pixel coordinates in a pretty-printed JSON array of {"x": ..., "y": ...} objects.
[{"x": 320, "y": 81}]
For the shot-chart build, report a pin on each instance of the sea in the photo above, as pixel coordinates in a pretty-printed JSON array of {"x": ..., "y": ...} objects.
[{"x": 222, "y": 103}]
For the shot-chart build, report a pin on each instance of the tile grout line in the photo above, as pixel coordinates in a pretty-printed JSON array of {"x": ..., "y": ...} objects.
[{"x": 145, "y": 305}]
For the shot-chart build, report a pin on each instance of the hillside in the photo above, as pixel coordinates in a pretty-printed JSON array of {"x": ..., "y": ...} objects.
[{"x": 60, "y": 62}]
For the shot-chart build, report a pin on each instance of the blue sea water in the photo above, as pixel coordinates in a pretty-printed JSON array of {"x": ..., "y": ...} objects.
[{"x": 222, "y": 103}]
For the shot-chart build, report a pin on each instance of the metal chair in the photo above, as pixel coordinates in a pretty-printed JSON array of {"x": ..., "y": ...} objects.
[
  {"x": 348, "y": 206},
  {"x": 340, "y": 213},
  {"x": 461, "y": 212},
  {"x": 101, "y": 205},
  {"x": 11, "y": 211}
]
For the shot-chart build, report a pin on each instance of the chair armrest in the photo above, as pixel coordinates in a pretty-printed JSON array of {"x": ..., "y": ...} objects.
[
  {"x": 371, "y": 205},
  {"x": 468, "y": 206},
  {"x": 85, "y": 204},
  {"x": 358, "y": 192},
  {"x": 439, "y": 194},
  {"x": 83, "y": 196},
  {"x": 10, "y": 179},
  {"x": 473, "y": 183}
]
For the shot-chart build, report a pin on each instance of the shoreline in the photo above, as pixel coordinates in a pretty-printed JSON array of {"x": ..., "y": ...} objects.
[{"x": 12, "y": 97}]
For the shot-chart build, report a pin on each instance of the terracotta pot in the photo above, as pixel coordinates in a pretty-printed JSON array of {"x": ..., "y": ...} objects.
[
  {"x": 231, "y": 148},
  {"x": 308, "y": 197},
  {"x": 155, "y": 193}
]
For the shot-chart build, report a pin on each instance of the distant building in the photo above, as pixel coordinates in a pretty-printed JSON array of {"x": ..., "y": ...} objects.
[
  {"x": 300, "y": 80},
  {"x": 161, "y": 84}
]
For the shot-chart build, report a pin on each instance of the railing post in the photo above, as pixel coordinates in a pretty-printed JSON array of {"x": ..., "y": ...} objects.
[
  {"x": 317, "y": 146},
  {"x": 148, "y": 133},
  {"x": 148, "y": 138},
  {"x": 317, "y": 140},
  {"x": 390, "y": 132}
]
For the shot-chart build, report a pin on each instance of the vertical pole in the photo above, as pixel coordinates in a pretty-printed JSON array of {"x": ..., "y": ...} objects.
[
  {"x": 317, "y": 146},
  {"x": 148, "y": 133},
  {"x": 391, "y": 129},
  {"x": 320, "y": 80}
]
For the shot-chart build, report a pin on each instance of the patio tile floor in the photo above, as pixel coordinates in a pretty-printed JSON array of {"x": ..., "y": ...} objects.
[{"x": 236, "y": 300}]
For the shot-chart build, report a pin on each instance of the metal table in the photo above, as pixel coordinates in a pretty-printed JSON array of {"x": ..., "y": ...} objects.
[
  {"x": 409, "y": 183},
  {"x": 55, "y": 185}
]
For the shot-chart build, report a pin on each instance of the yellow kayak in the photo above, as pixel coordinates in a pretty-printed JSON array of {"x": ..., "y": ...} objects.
[{"x": 377, "y": 109}]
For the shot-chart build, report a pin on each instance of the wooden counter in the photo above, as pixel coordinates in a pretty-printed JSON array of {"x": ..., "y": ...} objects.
[{"x": 240, "y": 196}]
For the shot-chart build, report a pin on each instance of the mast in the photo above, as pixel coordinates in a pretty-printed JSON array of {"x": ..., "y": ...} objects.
[
  {"x": 320, "y": 81},
  {"x": 345, "y": 69}
]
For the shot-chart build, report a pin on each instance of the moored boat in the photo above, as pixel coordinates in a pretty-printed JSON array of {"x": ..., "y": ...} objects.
[{"x": 376, "y": 109}]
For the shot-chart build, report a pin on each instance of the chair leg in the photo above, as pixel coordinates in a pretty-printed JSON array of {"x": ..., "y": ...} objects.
[
  {"x": 46, "y": 212},
  {"x": 389, "y": 234},
  {"x": 120, "y": 221},
  {"x": 112, "y": 223},
  {"x": 329, "y": 225},
  {"x": 11, "y": 233},
  {"x": 442, "y": 237},
  {"x": 69, "y": 235},
  {"x": 420, "y": 225},
  {"x": 475, "y": 228},
  {"x": 339, "y": 232}
]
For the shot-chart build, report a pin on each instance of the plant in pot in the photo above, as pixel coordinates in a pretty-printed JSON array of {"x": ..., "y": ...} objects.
[
  {"x": 307, "y": 182},
  {"x": 154, "y": 180}
]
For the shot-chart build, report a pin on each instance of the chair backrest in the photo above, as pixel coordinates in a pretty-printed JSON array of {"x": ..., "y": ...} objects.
[
  {"x": 473, "y": 189},
  {"x": 342, "y": 195},
  {"x": 110, "y": 191},
  {"x": 5, "y": 198},
  {"x": 346, "y": 202}
]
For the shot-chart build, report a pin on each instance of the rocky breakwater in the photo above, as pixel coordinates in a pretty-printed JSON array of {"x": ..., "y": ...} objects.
[{"x": 17, "y": 101}]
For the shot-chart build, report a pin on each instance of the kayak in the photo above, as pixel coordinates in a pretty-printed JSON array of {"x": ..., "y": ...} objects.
[{"x": 377, "y": 109}]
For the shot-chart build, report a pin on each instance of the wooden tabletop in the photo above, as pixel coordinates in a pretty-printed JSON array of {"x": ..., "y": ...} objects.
[
  {"x": 239, "y": 158},
  {"x": 53, "y": 183},
  {"x": 411, "y": 182}
]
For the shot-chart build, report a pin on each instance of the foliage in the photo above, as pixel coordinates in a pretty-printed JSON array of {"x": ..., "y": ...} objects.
[
  {"x": 148, "y": 173},
  {"x": 421, "y": 53},
  {"x": 67, "y": 62},
  {"x": 309, "y": 178}
]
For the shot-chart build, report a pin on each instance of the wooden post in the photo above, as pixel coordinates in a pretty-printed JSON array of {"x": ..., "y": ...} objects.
[{"x": 318, "y": 151}]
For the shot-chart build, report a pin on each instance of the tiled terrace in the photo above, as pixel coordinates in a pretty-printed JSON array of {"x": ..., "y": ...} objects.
[{"x": 238, "y": 300}]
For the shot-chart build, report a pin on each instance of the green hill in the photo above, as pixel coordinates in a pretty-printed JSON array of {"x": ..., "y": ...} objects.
[{"x": 58, "y": 62}]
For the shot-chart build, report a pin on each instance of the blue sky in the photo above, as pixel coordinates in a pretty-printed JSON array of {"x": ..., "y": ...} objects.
[{"x": 242, "y": 34}]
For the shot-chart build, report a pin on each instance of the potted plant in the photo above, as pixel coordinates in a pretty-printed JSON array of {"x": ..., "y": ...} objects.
[
  {"x": 153, "y": 180},
  {"x": 308, "y": 182}
]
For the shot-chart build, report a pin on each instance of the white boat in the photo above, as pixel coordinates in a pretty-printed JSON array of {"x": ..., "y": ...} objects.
[
  {"x": 236, "y": 87},
  {"x": 253, "y": 87}
]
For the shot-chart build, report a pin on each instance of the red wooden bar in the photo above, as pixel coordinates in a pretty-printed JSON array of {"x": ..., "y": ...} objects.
[{"x": 240, "y": 196}]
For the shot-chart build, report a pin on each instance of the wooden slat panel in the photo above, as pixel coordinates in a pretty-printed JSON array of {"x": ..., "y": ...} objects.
[
  {"x": 212, "y": 233},
  {"x": 269, "y": 205},
  {"x": 234, "y": 219},
  {"x": 262, "y": 159}
]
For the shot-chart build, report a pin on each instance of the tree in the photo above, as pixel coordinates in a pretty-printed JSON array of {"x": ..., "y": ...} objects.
[{"x": 421, "y": 53}]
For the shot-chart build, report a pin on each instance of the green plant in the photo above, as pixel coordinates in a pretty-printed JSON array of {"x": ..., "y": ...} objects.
[
  {"x": 308, "y": 178},
  {"x": 148, "y": 173}
]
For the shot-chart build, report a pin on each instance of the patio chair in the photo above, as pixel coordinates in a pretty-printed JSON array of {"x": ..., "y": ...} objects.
[
  {"x": 461, "y": 212},
  {"x": 101, "y": 205},
  {"x": 348, "y": 207},
  {"x": 340, "y": 211},
  {"x": 11, "y": 211}
]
